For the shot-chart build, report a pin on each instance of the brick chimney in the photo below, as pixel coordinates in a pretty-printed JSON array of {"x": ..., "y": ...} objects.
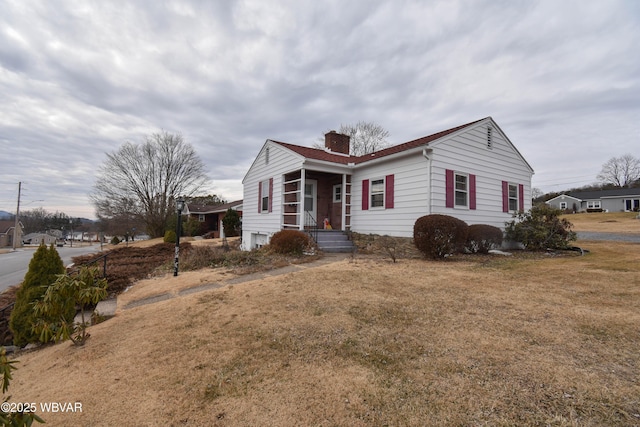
[{"x": 337, "y": 142}]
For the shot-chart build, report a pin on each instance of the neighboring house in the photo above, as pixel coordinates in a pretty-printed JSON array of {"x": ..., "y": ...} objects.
[
  {"x": 617, "y": 200},
  {"x": 6, "y": 233},
  {"x": 472, "y": 172},
  {"x": 39, "y": 238},
  {"x": 211, "y": 216}
]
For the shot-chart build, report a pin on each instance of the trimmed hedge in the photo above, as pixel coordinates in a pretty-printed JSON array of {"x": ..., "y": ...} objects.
[
  {"x": 289, "y": 242},
  {"x": 437, "y": 236},
  {"x": 481, "y": 238}
]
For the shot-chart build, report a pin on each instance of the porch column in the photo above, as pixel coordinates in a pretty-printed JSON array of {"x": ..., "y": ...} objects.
[
  {"x": 303, "y": 216},
  {"x": 343, "y": 202}
]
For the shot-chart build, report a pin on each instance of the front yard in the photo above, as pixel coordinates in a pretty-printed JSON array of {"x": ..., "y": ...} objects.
[{"x": 547, "y": 340}]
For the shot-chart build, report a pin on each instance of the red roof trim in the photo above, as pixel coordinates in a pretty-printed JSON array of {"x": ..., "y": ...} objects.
[{"x": 321, "y": 154}]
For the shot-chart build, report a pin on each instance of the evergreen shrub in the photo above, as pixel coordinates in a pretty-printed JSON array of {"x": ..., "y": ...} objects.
[
  {"x": 44, "y": 268},
  {"x": 170, "y": 236},
  {"x": 540, "y": 228}
]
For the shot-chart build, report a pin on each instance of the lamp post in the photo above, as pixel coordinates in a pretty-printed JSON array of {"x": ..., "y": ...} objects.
[
  {"x": 71, "y": 226},
  {"x": 179, "y": 207}
]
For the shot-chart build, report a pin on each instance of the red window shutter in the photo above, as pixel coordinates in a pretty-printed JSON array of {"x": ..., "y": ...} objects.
[
  {"x": 521, "y": 197},
  {"x": 270, "y": 194},
  {"x": 472, "y": 191},
  {"x": 259, "y": 197},
  {"x": 365, "y": 194},
  {"x": 449, "y": 188},
  {"x": 388, "y": 191},
  {"x": 505, "y": 196}
]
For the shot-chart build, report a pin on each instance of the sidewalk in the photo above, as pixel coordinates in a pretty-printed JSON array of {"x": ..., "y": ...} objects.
[{"x": 108, "y": 309}]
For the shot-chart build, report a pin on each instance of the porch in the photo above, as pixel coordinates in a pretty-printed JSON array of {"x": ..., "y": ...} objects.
[{"x": 312, "y": 198}]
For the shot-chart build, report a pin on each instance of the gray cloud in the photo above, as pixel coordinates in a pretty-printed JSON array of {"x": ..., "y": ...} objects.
[{"x": 79, "y": 79}]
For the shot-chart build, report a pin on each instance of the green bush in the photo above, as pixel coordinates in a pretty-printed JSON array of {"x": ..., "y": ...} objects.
[
  {"x": 540, "y": 228},
  {"x": 231, "y": 223},
  {"x": 289, "y": 242},
  {"x": 115, "y": 240},
  {"x": 170, "y": 236},
  {"x": 481, "y": 238},
  {"x": 437, "y": 236},
  {"x": 44, "y": 268},
  {"x": 191, "y": 227}
]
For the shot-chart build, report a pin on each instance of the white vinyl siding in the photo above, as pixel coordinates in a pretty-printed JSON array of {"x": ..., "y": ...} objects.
[
  {"x": 419, "y": 183},
  {"x": 467, "y": 151},
  {"x": 410, "y": 196},
  {"x": 263, "y": 223}
]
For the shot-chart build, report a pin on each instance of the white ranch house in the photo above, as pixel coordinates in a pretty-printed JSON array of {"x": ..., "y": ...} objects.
[
  {"x": 614, "y": 200},
  {"x": 472, "y": 172}
]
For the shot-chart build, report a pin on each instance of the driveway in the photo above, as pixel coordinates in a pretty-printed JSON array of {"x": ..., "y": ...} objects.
[{"x": 592, "y": 235}]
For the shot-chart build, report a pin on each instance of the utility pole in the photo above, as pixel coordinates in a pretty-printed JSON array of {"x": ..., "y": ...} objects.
[{"x": 15, "y": 228}]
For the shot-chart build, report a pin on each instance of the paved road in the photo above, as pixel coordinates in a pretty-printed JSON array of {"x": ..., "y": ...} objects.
[
  {"x": 592, "y": 235},
  {"x": 14, "y": 265}
]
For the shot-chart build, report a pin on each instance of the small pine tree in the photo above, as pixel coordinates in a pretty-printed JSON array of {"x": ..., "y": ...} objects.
[{"x": 44, "y": 267}]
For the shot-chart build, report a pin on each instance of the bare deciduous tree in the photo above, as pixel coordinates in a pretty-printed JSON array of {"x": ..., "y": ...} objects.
[
  {"x": 620, "y": 171},
  {"x": 143, "y": 180},
  {"x": 366, "y": 137}
]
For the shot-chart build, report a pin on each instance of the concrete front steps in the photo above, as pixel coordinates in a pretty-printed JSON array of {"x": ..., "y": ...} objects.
[{"x": 334, "y": 241}]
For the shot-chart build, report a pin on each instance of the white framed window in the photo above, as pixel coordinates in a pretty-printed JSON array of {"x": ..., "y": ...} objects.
[
  {"x": 377, "y": 193},
  {"x": 201, "y": 218},
  {"x": 594, "y": 204},
  {"x": 265, "y": 196},
  {"x": 337, "y": 193},
  {"x": 513, "y": 197},
  {"x": 563, "y": 205},
  {"x": 461, "y": 191}
]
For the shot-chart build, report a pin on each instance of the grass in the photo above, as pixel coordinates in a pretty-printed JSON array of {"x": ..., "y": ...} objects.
[
  {"x": 611, "y": 222},
  {"x": 535, "y": 340}
]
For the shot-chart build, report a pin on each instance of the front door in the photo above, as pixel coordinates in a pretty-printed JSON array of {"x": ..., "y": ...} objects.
[{"x": 310, "y": 202}]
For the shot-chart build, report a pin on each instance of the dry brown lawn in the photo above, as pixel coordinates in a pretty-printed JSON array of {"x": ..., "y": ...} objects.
[
  {"x": 501, "y": 341},
  {"x": 612, "y": 222}
]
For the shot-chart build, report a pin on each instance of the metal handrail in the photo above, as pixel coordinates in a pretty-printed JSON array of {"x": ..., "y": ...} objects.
[
  {"x": 313, "y": 228},
  {"x": 5, "y": 308},
  {"x": 104, "y": 263}
]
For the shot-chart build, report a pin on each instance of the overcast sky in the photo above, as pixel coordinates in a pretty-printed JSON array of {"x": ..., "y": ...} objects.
[{"x": 78, "y": 79}]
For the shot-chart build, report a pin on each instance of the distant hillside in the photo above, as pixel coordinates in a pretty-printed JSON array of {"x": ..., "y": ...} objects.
[{"x": 5, "y": 215}]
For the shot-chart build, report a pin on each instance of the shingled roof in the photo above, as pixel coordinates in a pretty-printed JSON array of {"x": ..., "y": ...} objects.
[
  {"x": 321, "y": 154},
  {"x": 599, "y": 194},
  {"x": 195, "y": 208}
]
